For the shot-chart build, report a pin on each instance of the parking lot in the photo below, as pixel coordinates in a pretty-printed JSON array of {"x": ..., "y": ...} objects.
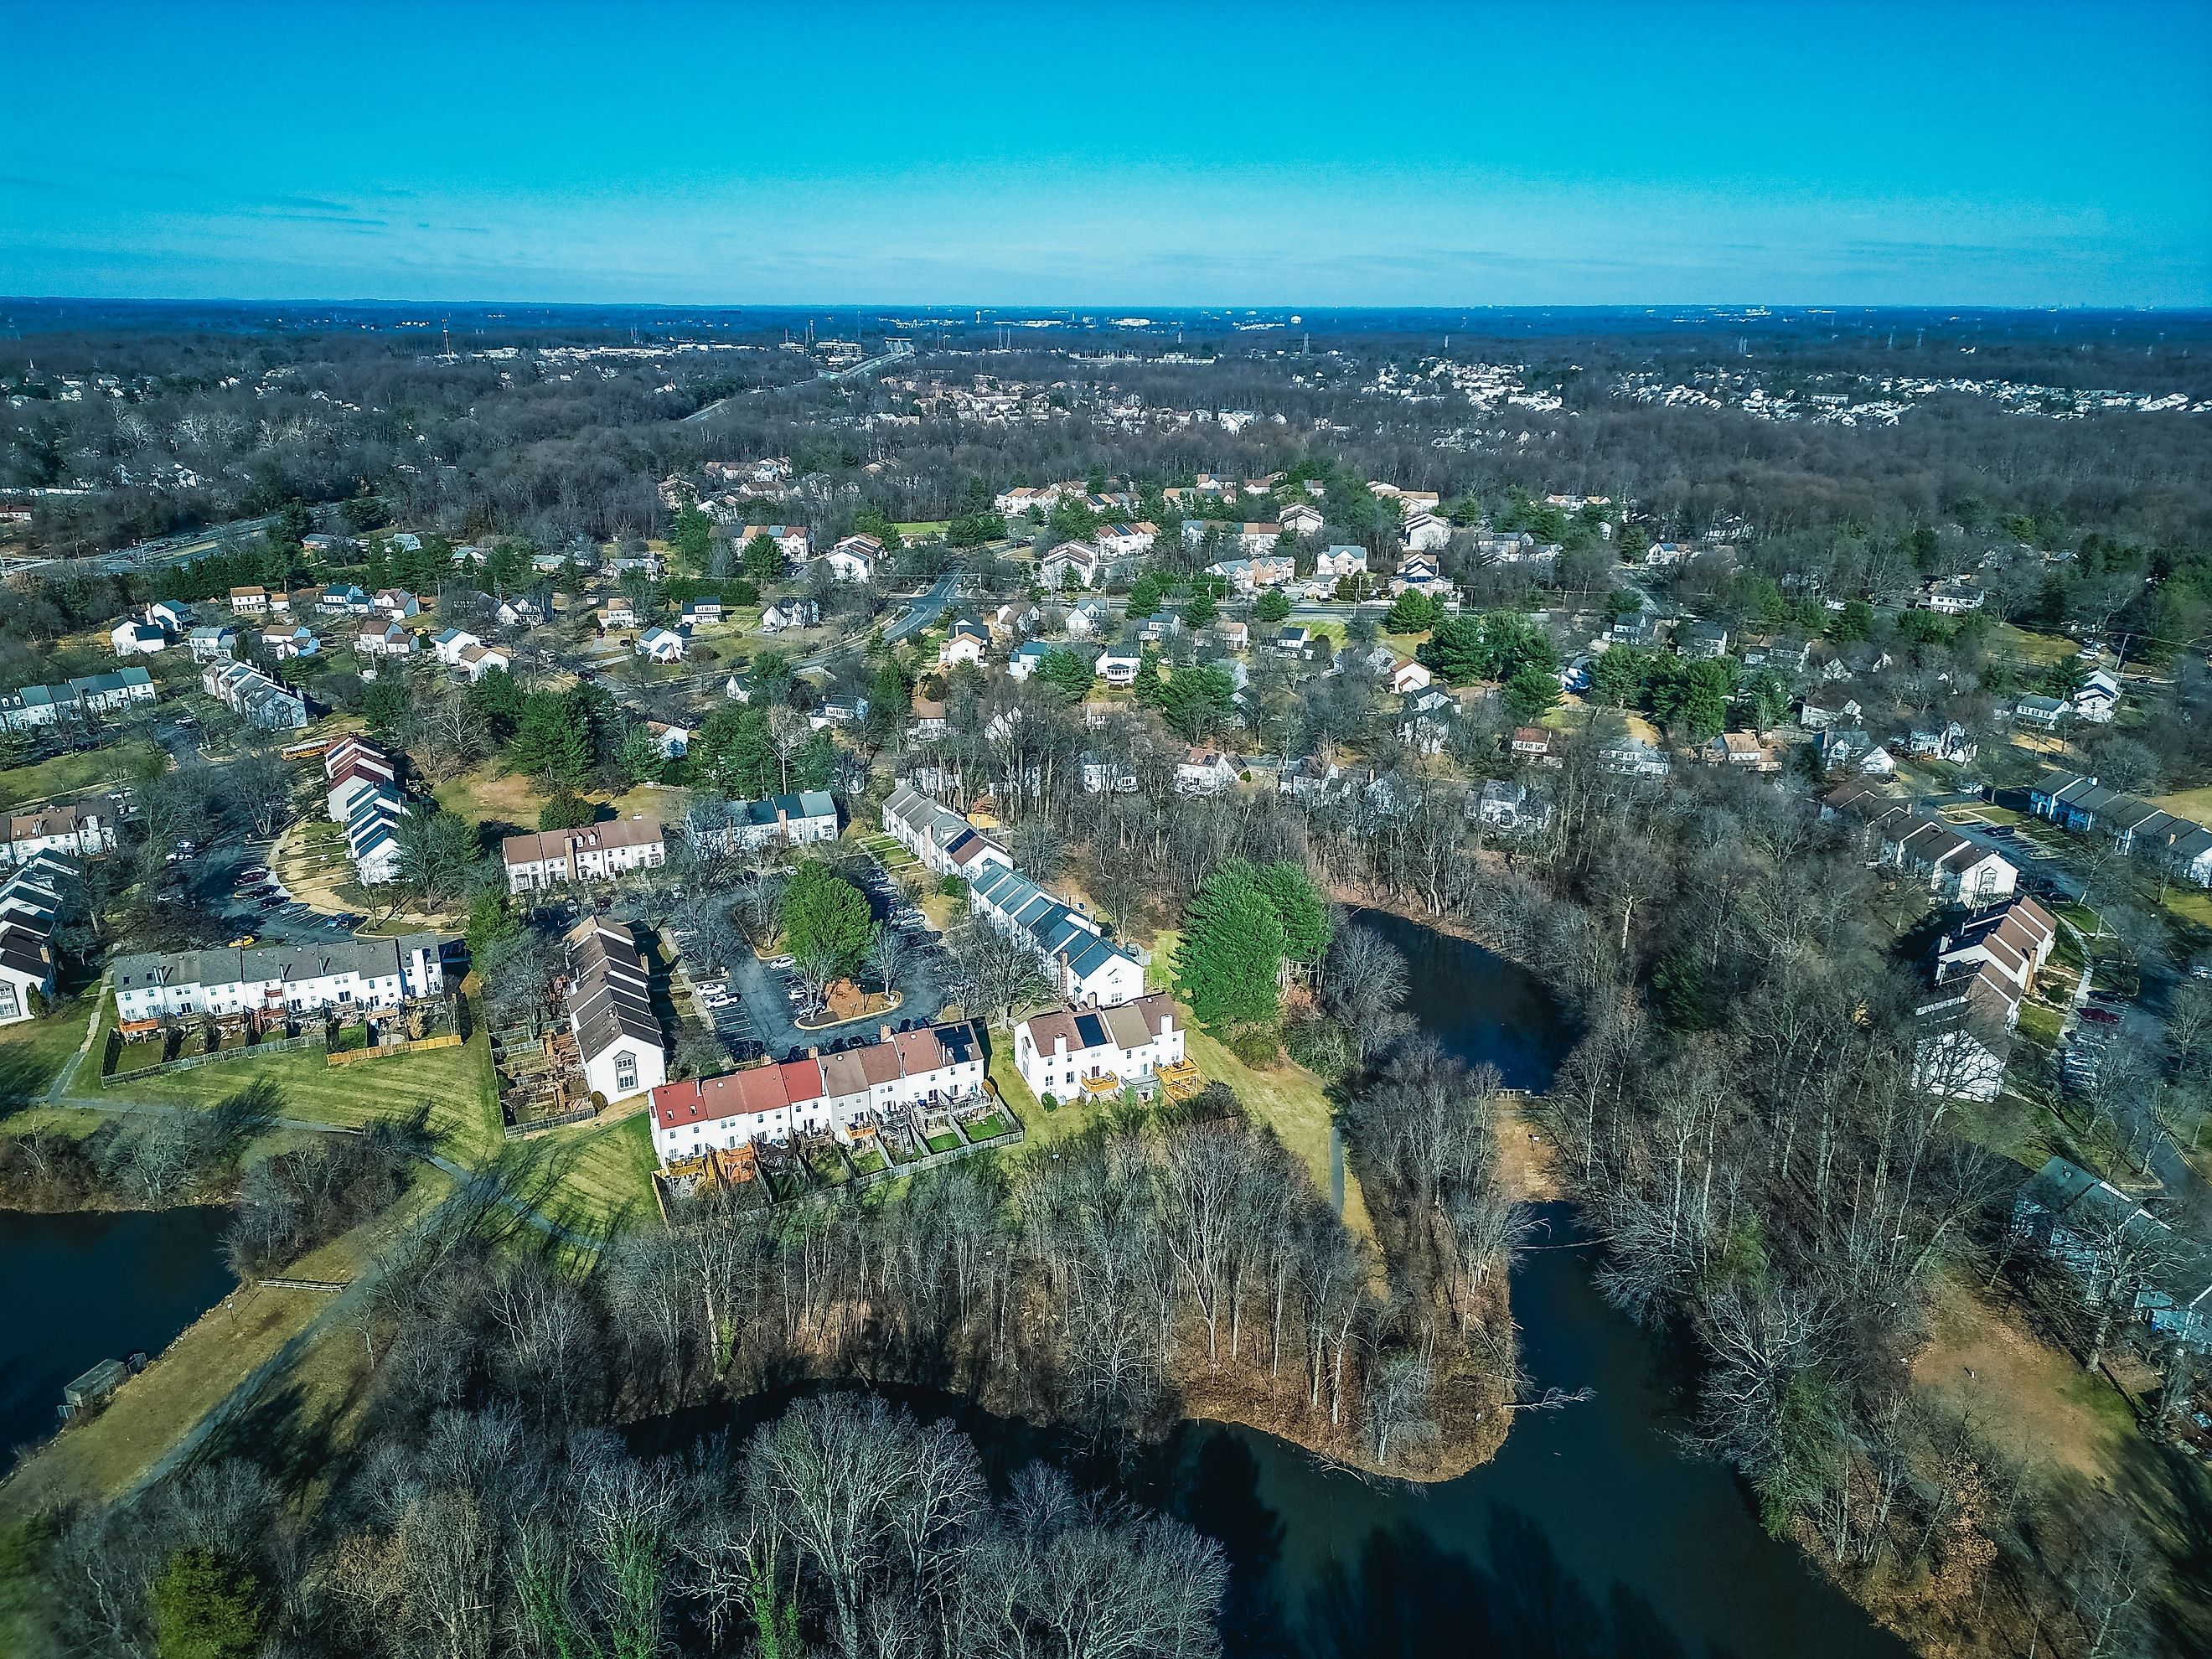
[
  {"x": 232, "y": 881},
  {"x": 753, "y": 1008}
]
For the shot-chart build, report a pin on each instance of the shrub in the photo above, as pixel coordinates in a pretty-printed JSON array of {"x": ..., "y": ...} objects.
[
  {"x": 1051, "y": 1101},
  {"x": 1255, "y": 1045}
]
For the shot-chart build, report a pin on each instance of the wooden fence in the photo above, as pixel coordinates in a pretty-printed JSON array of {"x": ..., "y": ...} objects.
[{"x": 351, "y": 1056}]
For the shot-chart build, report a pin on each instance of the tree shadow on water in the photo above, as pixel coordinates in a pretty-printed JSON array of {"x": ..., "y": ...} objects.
[
  {"x": 1408, "y": 1599},
  {"x": 1220, "y": 1497}
]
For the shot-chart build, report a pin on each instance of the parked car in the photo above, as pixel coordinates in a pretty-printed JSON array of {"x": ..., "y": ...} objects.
[
  {"x": 2101, "y": 1016},
  {"x": 784, "y": 962},
  {"x": 2104, "y": 994}
]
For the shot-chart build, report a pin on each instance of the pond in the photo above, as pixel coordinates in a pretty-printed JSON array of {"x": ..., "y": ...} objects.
[
  {"x": 82, "y": 1287},
  {"x": 1591, "y": 1533},
  {"x": 1483, "y": 1008}
]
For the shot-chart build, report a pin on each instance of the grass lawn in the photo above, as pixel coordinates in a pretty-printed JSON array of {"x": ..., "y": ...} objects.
[
  {"x": 2039, "y": 648},
  {"x": 2034, "y": 1400},
  {"x": 482, "y": 795},
  {"x": 32, "y": 1051},
  {"x": 2195, "y": 805},
  {"x": 602, "y": 1176},
  {"x": 929, "y": 527},
  {"x": 457, "y": 1084},
  {"x": 69, "y": 774},
  {"x": 2039, "y": 1023}
]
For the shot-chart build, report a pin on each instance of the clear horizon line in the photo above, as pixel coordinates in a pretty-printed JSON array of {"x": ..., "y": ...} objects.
[{"x": 2138, "y": 308}]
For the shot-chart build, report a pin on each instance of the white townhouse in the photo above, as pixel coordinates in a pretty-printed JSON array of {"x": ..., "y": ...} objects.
[
  {"x": 1084, "y": 966},
  {"x": 81, "y": 698},
  {"x": 618, "y": 1036},
  {"x": 1301, "y": 519},
  {"x": 1340, "y": 560},
  {"x": 1425, "y": 532},
  {"x": 805, "y": 819},
  {"x": 32, "y": 897},
  {"x": 936, "y": 1067},
  {"x": 1077, "y": 559},
  {"x": 212, "y": 641},
  {"x": 790, "y": 539},
  {"x": 83, "y": 831},
  {"x": 279, "y": 979},
  {"x": 265, "y": 703},
  {"x": 1128, "y": 541},
  {"x": 1065, "y": 1051},
  {"x": 597, "y": 851},
  {"x": 352, "y": 766},
  {"x": 946, "y": 843}
]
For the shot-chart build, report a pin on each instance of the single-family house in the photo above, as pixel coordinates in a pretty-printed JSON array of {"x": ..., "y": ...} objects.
[
  {"x": 1204, "y": 772},
  {"x": 2098, "y": 699},
  {"x": 782, "y": 615},
  {"x": 1505, "y": 805},
  {"x": 133, "y": 638},
  {"x": 662, "y": 645},
  {"x": 968, "y": 641},
  {"x": 2043, "y": 713},
  {"x": 1118, "y": 667},
  {"x": 1087, "y": 620}
]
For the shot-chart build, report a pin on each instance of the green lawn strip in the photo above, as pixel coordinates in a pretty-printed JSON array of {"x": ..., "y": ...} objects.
[
  {"x": 598, "y": 1177},
  {"x": 71, "y": 773}
]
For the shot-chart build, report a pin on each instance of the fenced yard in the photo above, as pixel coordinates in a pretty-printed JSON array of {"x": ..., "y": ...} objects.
[{"x": 763, "y": 1173}]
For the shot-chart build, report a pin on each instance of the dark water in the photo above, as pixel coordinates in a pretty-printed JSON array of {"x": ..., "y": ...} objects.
[
  {"x": 1590, "y": 1535},
  {"x": 1485, "y": 1009},
  {"x": 78, "y": 1289}
]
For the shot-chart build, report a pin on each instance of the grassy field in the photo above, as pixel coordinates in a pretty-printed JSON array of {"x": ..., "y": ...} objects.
[
  {"x": 483, "y": 795},
  {"x": 456, "y": 1084},
  {"x": 71, "y": 774},
  {"x": 2041, "y": 649}
]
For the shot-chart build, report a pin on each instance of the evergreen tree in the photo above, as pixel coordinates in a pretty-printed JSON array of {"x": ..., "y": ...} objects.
[{"x": 1228, "y": 968}]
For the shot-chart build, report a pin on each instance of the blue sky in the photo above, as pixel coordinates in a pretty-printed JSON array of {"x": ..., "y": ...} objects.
[{"x": 1379, "y": 155}]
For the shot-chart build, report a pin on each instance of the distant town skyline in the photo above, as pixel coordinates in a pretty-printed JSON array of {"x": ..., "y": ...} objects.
[{"x": 2025, "y": 154}]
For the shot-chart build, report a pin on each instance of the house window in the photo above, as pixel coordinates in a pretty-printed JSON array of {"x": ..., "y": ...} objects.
[
  {"x": 7, "y": 1005},
  {"x": 625, "y": 1070}
]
